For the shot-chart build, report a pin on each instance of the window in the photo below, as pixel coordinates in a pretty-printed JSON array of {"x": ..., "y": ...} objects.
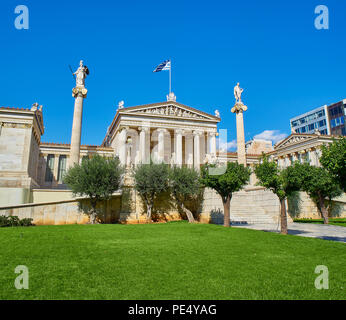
[
  {"x": 303, "y": 129},
  {"x": 50, "y": 168},
  {"x": 337, "y": 122},
  {"x": 61, "y": 168},
  {"x": 322, "y": 123},
  {"x": 324, "y": 131},
  {"x": 311, "y": 126}
]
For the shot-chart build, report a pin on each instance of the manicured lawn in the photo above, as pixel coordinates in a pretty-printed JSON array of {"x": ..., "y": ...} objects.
[
  {"x": 333, "y": 221},
  {"x": 167, "y": 261}
]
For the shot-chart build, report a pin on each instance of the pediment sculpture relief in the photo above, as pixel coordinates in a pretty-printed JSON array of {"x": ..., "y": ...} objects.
[{"x": 170, "y": 111}]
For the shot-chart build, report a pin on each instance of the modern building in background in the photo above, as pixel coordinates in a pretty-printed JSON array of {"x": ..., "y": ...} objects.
[
  {"x": 337, "y": 115},
  {"x": 328, "y": 120}
]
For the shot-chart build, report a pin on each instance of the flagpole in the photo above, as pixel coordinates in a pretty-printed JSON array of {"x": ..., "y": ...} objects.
[{"x": 170, "y": 76}]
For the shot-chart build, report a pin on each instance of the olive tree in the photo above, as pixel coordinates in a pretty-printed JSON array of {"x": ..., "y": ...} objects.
[
  {"x": 97, "y": 178},
  {"x": 283, "y": 183},
  {"x": 321, "y": 186},
  {"x": 185, "y": 186},
  {"x": 334, "y": 160},
  {"x": 233, "y": 178},
  {"x": 150, "y": 180}
]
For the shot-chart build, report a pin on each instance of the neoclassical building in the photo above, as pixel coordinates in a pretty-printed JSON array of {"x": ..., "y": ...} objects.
[
  {"x": 31, "y": 171},
  {"x": 167, "y": 131}
]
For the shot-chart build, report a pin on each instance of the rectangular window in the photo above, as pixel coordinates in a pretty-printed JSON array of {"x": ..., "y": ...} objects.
[
  {"x": 322, "y": 123},
  {"x": 61, "y": 168},
  {"x": 311, "y": 126},
  {"x": 50, "y": 168},
  {"x": 303, "y": 129}
]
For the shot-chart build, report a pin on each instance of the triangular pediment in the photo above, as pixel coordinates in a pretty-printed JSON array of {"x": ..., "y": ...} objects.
[
  {"x": 294, "y": 139},
  {"x": 169, "y": 109}
]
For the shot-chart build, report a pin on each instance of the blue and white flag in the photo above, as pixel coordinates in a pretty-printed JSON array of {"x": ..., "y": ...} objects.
[{"x": 166, "y": 65}]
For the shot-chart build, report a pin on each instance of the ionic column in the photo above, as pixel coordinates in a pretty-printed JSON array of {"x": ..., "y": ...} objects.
[
  {"x": 313, "y": 155},
  {"x": 143, "y": 148},
  {"x": 79, "y": 93},
  {"x": 122, "y": 146},
  {"x": 238, "y": 109},
  {"x": 161, "y": 145},
  {"x": 56, "y": 168},
  {"x": 196, "y": 149},
  {"x": 212, "y": 143},
  {"x": 189, "y": 150},
  {"x": 179, "y": 147}
]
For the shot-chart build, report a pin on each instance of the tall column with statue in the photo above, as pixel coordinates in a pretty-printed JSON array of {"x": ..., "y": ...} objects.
[
  {"x": 79, "y": 92},
  {"x": 239, "y": 108}
]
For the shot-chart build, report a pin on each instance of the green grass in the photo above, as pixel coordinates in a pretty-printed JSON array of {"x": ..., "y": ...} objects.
[
  {"x": 332, "y": 221},
  {"x": 167, "y": 261}
]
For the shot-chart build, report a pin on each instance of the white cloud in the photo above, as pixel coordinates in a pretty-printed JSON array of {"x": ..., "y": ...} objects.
[
  {"x": 273, "y": 135},
  {"x": 229, "y": 146}
]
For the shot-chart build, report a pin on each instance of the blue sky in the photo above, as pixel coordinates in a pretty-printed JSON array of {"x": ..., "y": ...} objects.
[{"x": 272, "y": 48}]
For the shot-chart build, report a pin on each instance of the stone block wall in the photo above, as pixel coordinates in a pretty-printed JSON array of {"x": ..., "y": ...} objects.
[{"x": 65, "y": 212}]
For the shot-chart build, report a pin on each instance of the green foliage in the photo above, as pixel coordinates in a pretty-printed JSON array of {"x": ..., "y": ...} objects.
[
  {"x": 96, "y": 178},
  {"x": 186, "y": 188},
  {"x": 26, "y": 222},
  {"x": 150, "y": 181},
  {"x": 318, "y": 183},
  {"x": 184, "y": 182},
  {"x": 334, "y": 160},
  {"x": 235, "y": 177},
  {"x": 281, "y": 182},
  {"x": 268, "y": 175},
  {"x": 14, "y": 221}
]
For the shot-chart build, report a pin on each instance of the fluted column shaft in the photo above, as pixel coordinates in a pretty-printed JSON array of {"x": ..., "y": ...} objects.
[
  {"x": 76, "y": 129},
  {"x": 179, "y": 147}
]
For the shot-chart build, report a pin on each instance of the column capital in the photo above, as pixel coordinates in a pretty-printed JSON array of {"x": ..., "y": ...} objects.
[
  {"x": 145, "y": 129},
  {"x": 212, "y": 134},
  {"x": 79, "y": 91},
  {"x": 161, "y": 130},
  {"x": 197, "y": 132},
  {"x": 123, "y": 128},
  {"x": 179, "y": 131}
]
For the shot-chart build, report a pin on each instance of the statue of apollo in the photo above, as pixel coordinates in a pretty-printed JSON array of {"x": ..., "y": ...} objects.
[{"x": 237, "y": 93}]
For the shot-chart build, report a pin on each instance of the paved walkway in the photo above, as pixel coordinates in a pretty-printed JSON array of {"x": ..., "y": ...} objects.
[{"x": 311, "y": 230}]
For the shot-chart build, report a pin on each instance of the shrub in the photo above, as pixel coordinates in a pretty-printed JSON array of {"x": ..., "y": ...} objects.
[{"x": 14, "y": 221}]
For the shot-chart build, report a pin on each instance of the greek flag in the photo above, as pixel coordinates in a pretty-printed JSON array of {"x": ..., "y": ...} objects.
[{"x": 166, "y": 65}]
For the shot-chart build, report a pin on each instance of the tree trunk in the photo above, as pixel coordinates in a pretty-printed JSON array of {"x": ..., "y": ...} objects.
[
  {"x": 93, "y": 213},
  {"x": 149, "y": 207},
  {"x": 187, "y": 212},
  {"x": 283, "y": 216},
  {"x": 93, "y": 216},
  {"x": 226, "y": 211},
  {"x": 324, "y": 210}
]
